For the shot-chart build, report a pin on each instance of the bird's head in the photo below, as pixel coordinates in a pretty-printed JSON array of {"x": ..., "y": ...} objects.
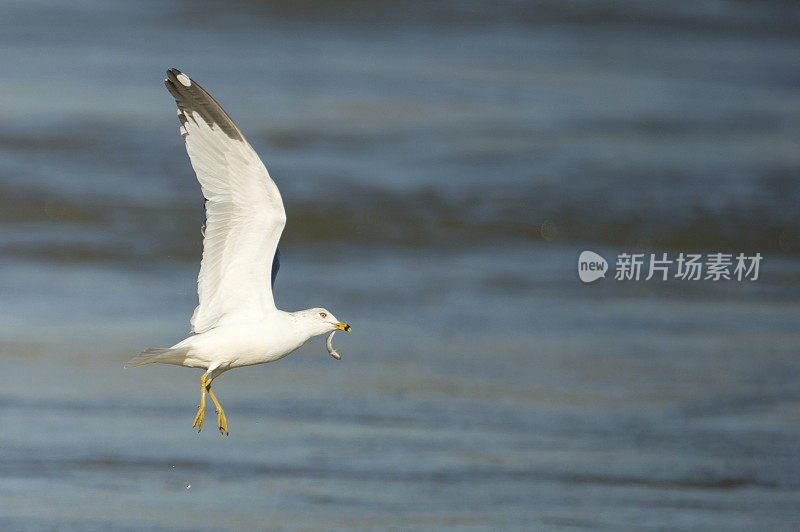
[{"x": 322, "y": 321}]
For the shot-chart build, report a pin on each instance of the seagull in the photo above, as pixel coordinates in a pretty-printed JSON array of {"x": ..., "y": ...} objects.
[{"x": 236, "y": 322}]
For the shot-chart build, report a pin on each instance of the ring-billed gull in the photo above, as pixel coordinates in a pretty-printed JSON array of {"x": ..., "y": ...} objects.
[{"x": 236, "y": 322}]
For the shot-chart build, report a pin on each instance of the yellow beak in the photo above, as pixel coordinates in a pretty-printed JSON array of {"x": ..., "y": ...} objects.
[{"x": 342, "y": 326}]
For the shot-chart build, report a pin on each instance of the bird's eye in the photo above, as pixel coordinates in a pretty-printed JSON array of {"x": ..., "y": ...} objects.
[{"x": 323, "y": 315}]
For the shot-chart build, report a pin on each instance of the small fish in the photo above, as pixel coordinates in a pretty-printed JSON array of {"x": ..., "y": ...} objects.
[{"x": 329, "y": 345}]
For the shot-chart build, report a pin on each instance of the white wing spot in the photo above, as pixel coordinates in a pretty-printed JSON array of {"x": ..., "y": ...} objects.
[
  {"x": 183, "y": 131},
  {"x": 179, "y": 112},
  {"x": 184, "y": 79}
]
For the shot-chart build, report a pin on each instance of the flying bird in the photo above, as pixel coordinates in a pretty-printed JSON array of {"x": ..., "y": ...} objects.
[{"x": 236, "y": 322}]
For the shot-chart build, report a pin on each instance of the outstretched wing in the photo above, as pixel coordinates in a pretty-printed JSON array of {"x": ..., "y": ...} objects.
[{"x": 244, "y": 210}]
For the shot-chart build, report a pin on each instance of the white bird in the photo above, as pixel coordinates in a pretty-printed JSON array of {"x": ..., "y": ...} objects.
[{"x": 236, "y": 322}]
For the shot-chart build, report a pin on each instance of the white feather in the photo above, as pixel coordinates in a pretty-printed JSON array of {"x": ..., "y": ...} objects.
[{"x": 245, "y": 219}]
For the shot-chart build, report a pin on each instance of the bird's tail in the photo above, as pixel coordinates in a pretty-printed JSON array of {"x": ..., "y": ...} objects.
[{"x": 153, "y": 355}]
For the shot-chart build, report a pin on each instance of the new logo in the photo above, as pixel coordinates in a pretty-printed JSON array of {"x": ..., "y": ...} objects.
[{"x": 591, "y": 266}]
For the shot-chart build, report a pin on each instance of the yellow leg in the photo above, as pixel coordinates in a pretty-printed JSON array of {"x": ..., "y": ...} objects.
[
  {"x": 222, "y": 421},
  {"x": 201, "y": 410}
]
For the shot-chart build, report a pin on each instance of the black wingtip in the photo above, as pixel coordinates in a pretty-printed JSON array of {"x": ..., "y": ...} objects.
[
  {"x": 191, "y": 98},
  {"x": 172, "y": 75},
  {"x": 172, "y": 89}
]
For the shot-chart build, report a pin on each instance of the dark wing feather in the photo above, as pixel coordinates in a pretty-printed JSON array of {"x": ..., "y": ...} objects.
[
  {"x": 276, "y": 265},
  {"x": 195, "y": 99}
]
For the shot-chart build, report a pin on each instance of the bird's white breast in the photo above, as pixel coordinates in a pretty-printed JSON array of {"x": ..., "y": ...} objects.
[{"x": 244, "y": 343}]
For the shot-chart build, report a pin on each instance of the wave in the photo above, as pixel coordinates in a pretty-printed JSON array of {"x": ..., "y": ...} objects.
[{"x": 60, "y": 228}]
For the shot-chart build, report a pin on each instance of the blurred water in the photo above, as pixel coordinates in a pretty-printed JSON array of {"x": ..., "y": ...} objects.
[{"x": 420, "y": 150}]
